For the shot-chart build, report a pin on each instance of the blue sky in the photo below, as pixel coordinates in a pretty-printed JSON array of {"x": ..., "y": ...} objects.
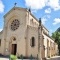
[{"x": 48, "y": 10}]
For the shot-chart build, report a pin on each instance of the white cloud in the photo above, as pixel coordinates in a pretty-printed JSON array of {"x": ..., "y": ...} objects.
[
  {"x": 0, "y": 30},
  {"x": 56, "y": 21},
  {"x": 1, "y": 6},
  {"x": 48, "y": 16},
  {"x": 48, "y": 10},
  {"x": 34, "y": 11},
  {"x": 39, "y": 4},
  {"x": 54, "y": 4},
  {"x": 44, "y": 20},
  {"x": 35, "y": 4},
  {"x": 50, "y": 32}
]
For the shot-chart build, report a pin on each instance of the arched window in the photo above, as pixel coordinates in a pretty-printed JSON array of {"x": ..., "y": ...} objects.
[{"x": 32, "y": 42}]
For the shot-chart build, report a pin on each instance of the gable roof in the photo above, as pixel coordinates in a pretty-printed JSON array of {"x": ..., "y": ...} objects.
[
  {"x": 14, "y": 9},
  {"x": 25, "y": 9}
]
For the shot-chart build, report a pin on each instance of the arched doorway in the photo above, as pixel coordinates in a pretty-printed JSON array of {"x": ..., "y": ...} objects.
[
  {"x": 13, "y": 45},
  {"x": 14, "y": 49}
]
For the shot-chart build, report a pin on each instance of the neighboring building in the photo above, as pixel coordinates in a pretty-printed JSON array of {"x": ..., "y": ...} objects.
[{"x": 23, "y": 34}]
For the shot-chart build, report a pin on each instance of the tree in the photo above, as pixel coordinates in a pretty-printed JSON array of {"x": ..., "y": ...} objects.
[
  {"x": 58, "y": 29},
  {"x": 56, "y": 36}
]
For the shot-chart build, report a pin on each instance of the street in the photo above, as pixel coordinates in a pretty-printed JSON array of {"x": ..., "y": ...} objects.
[
  {"x": 55, "y": 58},
  {"x": 17, "y": 59}
]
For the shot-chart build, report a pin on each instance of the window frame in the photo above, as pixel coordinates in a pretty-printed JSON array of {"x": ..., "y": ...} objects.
[
  {"x": 0, "y": 42},
  {"x": 32, "y": 41}
]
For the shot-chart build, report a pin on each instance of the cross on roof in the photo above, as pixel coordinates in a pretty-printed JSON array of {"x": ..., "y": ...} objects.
[{"x": 15, "y": 4}]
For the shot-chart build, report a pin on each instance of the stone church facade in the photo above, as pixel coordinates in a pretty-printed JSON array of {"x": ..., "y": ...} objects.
[{"x": 24, "y": 34}]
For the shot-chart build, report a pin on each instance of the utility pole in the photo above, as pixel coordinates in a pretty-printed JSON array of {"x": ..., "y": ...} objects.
[{"x": 39, "y": 40}]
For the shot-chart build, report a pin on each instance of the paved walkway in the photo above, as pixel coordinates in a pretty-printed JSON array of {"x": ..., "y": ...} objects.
[
  {"x": 8, "y": 59},
  {"x": 4, "y": 59},
  {"x": 54, "y": 58}
]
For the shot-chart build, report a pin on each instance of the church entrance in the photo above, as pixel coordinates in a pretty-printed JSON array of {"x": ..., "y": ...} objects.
[{"x": 14, "y": 48}]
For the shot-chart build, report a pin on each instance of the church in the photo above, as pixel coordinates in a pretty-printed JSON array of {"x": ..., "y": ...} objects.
[{"x": 23, "y": 34}]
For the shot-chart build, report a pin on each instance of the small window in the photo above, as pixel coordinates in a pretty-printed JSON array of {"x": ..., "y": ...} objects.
[
  {"x": 32, "y": 42},
  {"x": 14, "y": 39},
  {"x": 31, "y": 22},
  {"x": 0, "y": 42}
]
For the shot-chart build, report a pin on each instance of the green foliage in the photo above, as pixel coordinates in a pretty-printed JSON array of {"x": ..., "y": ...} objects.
[
  {"x": 56, "y": 36},
  {"x": 13, "y": 57},
  {"x": 58, "y": 29},
  {"x": 21, "y": 56}
]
